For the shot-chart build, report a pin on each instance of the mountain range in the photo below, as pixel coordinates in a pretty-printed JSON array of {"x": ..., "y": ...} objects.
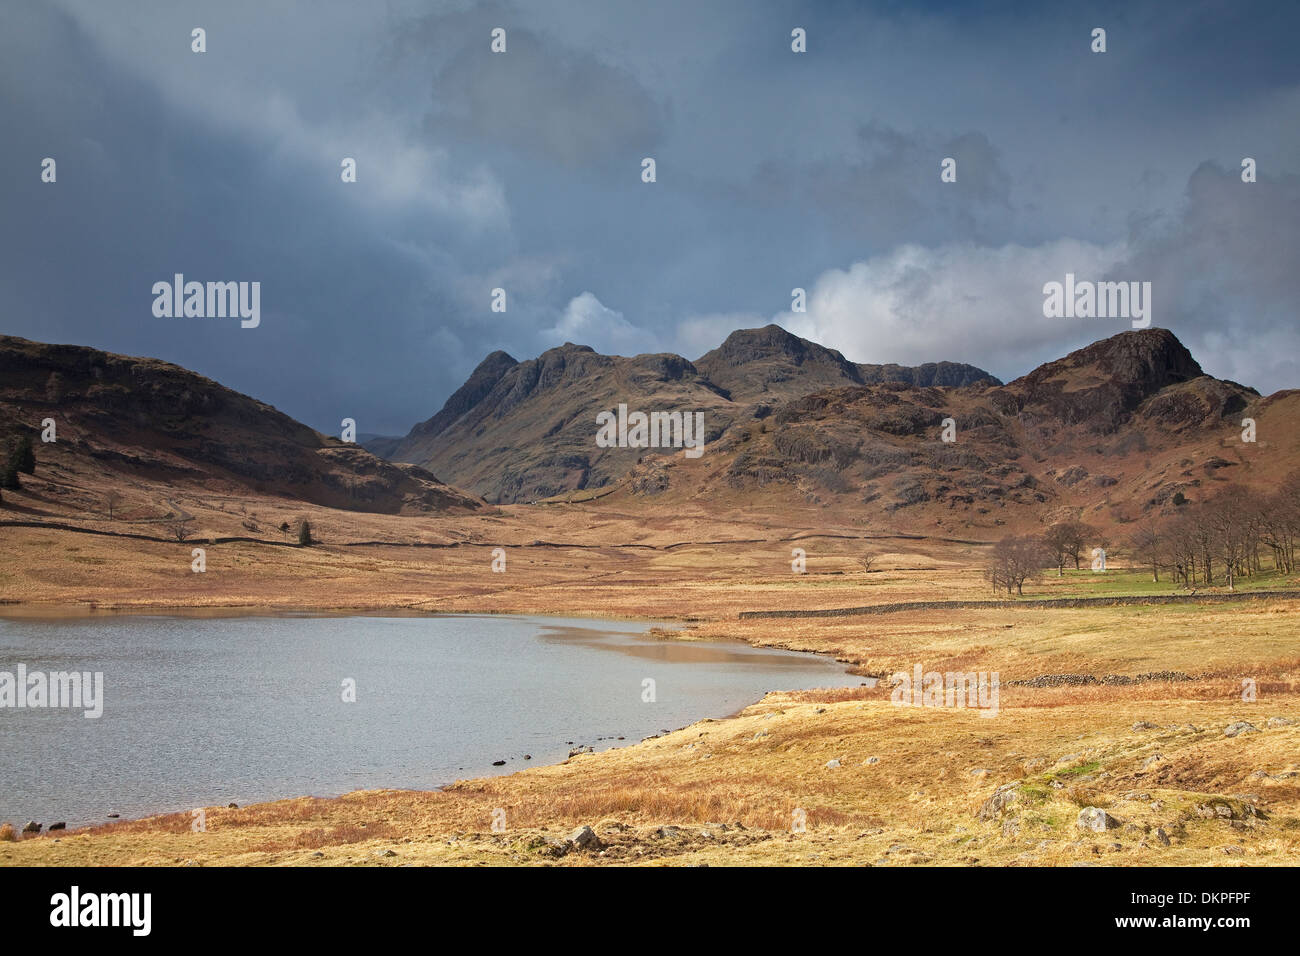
[
  {"x": 520, "y": 431},
  {"x": 1113, "y": 431},
  {"x": 1117, "y": 428}
]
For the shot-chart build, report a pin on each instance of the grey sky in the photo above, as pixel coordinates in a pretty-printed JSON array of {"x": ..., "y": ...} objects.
[{"x": 522, "y": 170}]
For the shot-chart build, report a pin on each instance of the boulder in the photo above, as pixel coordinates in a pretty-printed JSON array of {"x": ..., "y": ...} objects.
[
  {"x": 1097, "y": 820},
  {"x": 584, "y": 838},
  {"x": 997, "y": 804}
]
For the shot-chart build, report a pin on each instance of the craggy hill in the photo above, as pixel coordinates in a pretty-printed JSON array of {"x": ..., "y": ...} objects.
[
  {"x": 1123, "y": 428},
  {"x": 519, "y": 431},
  {"x": 771, "y": 364},
  {"x": 1114, "y": 431},
  {"x": 149, "y": 420}
]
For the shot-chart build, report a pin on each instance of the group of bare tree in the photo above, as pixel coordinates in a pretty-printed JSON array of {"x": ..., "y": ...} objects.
[
  {"x": 1020, "y": 558},
  {"x": 1015, "y": 560},
  {"x": 1236, "y": 534},
  {"x": 1066, "y": 541},
  {"x": 1225, "y": 538}
]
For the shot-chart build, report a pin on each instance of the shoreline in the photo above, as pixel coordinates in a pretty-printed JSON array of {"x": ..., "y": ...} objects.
[
  {"x": 25, "y": 610},
  {"x": 655, "y": 631},
  {"x": 935, "y": 769}
]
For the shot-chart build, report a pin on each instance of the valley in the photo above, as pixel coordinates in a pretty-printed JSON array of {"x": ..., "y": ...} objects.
[{"x": 814, "y": 494}]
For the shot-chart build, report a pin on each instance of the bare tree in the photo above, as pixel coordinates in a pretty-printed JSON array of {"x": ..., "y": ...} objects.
[
  {"x": 1228, "y": 523},
  {"x": 1015, "y": 560},
  {"x": 1229, "y": 531},
  {"x": 867, "y": 560},
  {"x": 1279, "y": 523},
  {"x": 1148, "y": 544},
  {"x": 112, "y": 501},
  {"x": 179, "y": 527},
  {"x": 1181, "y": 546},
  {"x": 1064, "y": 540}
]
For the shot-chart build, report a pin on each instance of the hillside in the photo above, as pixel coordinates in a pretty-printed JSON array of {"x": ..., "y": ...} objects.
[
  {"x": 519, "y": 431},
  {"x": 148, "y": 422},
  {"x": 531, "y": 433},
  {"x": 1110, "y": 433}
]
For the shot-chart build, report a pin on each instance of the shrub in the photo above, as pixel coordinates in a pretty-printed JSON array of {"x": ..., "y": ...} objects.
[
  {"x": 23, "y": 456},
  {"x": 832, "y": 480}
]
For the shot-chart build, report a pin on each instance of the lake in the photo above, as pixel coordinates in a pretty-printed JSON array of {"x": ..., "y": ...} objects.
[{"x": 207, "y": 710}]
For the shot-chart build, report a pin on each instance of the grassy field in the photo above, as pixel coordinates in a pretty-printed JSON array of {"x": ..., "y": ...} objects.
[
  {"x": 913, "y": 785},
  {"x": 908, "y": 790}
]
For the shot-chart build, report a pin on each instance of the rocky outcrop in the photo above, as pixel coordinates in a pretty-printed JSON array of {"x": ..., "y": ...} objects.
[{"x": 156, "y": 420}]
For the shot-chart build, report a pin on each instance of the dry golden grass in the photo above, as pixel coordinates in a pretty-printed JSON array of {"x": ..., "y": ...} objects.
[
  {"x": 731, "y": 793},
  {"x": 719, "y": 792}
]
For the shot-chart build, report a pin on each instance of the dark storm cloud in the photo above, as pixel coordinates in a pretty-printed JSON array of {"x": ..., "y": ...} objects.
[
  {"x": 522, "y": 171},
  {"x": 1225, "y": 266},
  {"x": 883, "y": 190},
  {"x": 539, "y": 98}
]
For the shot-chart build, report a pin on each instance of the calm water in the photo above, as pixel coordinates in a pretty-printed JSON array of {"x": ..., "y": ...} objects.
[{"x": 201, "y": 711}]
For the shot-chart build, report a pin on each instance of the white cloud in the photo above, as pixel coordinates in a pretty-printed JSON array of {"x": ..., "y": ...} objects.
[
  {"x": 703, "y": 333},
  {"x": 958, "y": 302},
  {"x": 588, "y": 321}
]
